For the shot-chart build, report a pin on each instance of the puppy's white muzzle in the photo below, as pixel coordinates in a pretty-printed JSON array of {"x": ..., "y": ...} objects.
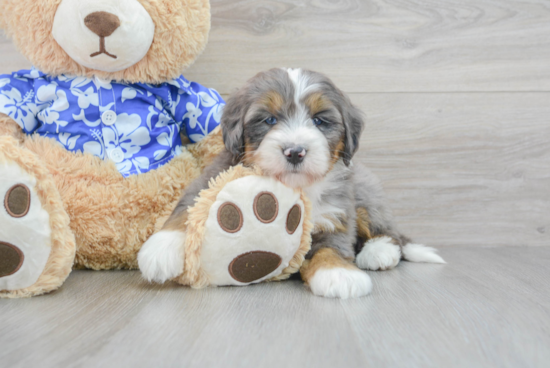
[{"x": 296, "y": 154}]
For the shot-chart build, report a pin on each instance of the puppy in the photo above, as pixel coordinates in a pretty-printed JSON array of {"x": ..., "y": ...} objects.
[{"x": 302, "y": 130}]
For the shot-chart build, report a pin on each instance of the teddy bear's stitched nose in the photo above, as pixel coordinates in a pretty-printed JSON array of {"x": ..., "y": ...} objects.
[{"x": 102, "y": 23}]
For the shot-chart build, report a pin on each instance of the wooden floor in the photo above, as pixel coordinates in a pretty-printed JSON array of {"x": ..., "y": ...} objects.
[{"x": 488, "y": 307}]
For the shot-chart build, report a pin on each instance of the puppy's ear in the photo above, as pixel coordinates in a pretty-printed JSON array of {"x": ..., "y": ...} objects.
[
  {"x": 233, "y": 123},
  {"x": 354, "y": 124}
]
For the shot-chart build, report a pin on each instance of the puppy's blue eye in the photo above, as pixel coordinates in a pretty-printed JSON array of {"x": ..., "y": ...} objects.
[
  {"x": 317, "y": 121},
  {"x": 271, "y": 121}
]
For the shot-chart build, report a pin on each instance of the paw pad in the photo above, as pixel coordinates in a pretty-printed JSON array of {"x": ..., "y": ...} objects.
[
  {"x": 230, "y": 218},
  {"x": 293, "y": 220},
  {"x": 266, "y": 207},
  {"x": 11, "y": 259},
  {"x": 253, "y": 266},
  {"x": 18, "y": 201}
]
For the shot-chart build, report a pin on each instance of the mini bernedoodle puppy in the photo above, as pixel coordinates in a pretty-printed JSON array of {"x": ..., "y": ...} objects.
[{"x": 299, "y": 128}]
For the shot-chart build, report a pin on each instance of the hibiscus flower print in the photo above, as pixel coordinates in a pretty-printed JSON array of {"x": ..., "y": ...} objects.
[
  {"x": 67, "y": 140},
  {"x": 20, "y": 108},
  {"x": 86, "y": 98},
  {"x": 57, "y": 101},
  {"x": 193, "y": 114},
  {"x": 128, "y": 135}
]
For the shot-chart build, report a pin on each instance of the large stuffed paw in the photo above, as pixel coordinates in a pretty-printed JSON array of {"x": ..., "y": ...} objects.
[
  {"x": 36, "y": 246},
  {"x": 245, "y": 231}
]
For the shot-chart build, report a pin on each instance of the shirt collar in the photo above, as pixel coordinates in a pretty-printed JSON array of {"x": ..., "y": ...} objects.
[{"x": 180, "y": 82}]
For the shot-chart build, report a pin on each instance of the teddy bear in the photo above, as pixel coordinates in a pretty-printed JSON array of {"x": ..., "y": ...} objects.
[{"x": 92, "y": 153}]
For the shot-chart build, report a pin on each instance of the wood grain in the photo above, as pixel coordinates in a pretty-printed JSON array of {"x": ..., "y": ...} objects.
[
  {"x": 488, "y": 307},
  {"x": 462, "y": 168},
  {"x": 383, "y": 45}
]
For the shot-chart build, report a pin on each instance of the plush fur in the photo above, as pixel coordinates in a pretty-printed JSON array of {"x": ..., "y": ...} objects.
[
  {"x": 181, "y": 34},
  {"x": 63, "y": 245},
  {"x": 109, "y": 216},
  {"x": 299, "y": 128}
]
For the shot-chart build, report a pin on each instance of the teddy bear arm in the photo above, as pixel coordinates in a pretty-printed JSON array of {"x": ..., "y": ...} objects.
[{"x": 8, "y": 127}]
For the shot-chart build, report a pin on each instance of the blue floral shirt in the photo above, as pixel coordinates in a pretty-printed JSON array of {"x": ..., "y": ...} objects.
[{"x": 135, "y": 125}]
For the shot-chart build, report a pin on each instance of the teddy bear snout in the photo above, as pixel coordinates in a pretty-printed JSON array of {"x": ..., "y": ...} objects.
[{"x": 102, "y": 23}]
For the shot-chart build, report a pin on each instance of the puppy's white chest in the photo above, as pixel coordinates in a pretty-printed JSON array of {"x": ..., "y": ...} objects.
[{"x": 324, "y": 212}]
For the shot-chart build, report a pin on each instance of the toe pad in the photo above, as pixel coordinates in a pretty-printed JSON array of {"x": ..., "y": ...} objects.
[
  {"x": 11, "y": 259},
  {"x": 253, "y": 266}
]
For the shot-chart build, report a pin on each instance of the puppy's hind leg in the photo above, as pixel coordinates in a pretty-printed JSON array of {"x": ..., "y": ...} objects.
[
  {"x": 380, "y": 246},
  {"x": 328, "y": 274}
]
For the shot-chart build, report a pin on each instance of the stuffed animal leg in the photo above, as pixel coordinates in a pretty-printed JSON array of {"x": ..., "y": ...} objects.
[
  {"x": 37, "y": 247},
  {"x": 245, "y": 228}
]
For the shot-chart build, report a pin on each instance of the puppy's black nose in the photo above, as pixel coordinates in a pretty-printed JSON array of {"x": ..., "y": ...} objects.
[
  {"x": 295, "y": 155},
  {"x": 102, "y": 23}
]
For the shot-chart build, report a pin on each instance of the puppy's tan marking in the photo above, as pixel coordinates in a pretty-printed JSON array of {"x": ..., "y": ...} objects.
[
  {"x": 273, "y": 101},
  {"x": 363, "y": 224},
  {"x": 325, "y": 258},
  {"x": 339, "y": 225},
  {"x": 176, "y": 222},
  {"x": 249, "y": 156},
  {"x": 338, "y": 152},
  {"x": 317, "y": 102}
]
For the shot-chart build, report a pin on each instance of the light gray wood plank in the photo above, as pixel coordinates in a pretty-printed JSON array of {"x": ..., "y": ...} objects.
[
  {"x": 10, "y": 59},
  {"x": 469, "y": 310},
  {"x": 383, "y": 45},
  {"x": 486, "y": 307},
  {"x": 462, "y": 168}
]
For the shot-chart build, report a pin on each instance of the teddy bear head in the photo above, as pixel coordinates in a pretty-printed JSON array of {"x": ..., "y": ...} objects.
[{"x": 147, "y": 41}]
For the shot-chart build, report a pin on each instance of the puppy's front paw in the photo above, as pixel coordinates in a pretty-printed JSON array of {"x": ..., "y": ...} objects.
[
  {"x": 340, "y": 283},
  {"x": 161, "y": 257},
  {"x": 379, "y": 254}
]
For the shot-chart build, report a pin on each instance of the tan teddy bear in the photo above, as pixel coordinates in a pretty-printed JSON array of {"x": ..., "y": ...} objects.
[{"x": 91, "y": 155}]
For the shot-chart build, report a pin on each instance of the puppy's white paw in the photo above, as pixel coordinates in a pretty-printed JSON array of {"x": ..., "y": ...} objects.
[
  {"x": 379, "y": 254},
  {"x": 161, "y": 257},
  {"x": 340, "y": 283}
]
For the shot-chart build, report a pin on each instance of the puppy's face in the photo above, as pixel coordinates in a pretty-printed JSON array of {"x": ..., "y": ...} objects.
[{"x": 293, "y": 124}]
